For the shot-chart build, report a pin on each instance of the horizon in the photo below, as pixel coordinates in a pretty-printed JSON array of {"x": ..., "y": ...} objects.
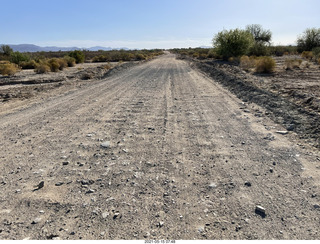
[{"x": 143, "y": 24}]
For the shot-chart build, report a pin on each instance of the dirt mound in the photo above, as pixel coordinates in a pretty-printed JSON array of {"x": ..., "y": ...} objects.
[{"x": 292, "y": 116}]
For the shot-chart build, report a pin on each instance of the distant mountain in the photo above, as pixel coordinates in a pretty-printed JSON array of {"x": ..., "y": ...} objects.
[{"x": 35, "y": 48}]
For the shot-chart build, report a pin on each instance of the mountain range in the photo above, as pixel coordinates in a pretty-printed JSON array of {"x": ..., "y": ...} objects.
[{"x": 35, "y": 48}]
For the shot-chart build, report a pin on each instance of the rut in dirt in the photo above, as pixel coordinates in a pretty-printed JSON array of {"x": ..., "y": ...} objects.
[{"x": 183, "y": 159}]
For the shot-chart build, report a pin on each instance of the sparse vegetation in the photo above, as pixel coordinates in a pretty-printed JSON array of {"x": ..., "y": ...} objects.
[
  {"x": 291, "y": 63},
  {"x": 247, "y": 63},
  {"x": 307, "y": 55},
  {"x": 8, "y": 69},
  {"x": 42, "y": 68},
  {"x": 265, "y": 65}
]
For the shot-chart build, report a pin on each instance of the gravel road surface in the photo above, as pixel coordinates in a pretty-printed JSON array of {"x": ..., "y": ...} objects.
[{"x": 158, "y": 151}]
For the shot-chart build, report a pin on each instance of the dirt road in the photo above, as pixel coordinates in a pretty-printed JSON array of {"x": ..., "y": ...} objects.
[{"x": 159, "y": 151}]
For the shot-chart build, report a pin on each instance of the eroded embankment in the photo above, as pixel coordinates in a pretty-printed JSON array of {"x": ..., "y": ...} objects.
[{"x": 291, "y": 116}]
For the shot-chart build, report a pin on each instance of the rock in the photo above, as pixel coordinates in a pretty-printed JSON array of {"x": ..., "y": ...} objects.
[
  {"x": 39, "y": 186},
  {"x": 90, "y": 191},
  {"x": 160, "y": 224},
  {"x": 260, "y": 210},
  {"x": 36, "y": 221},
  {"x": 59, "y": 184},
  {"x": 65, "y": 163},
  {"x": 212, "y": 185},
  {"x": 284, "y": 132},
  {"x": 247, "y": 183},
  {"x": 116, "y": 215},
  {"x": 105, "y": 214},
  {"x": 316, "y": 206},
  {"x": 105, "y": 144}
]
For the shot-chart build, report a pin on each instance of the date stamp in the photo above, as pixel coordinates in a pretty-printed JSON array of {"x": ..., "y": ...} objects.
[{"x": 159, "y": 241}]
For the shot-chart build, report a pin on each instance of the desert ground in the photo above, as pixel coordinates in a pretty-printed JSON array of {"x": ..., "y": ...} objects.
[{"x": 165, "y": 149}]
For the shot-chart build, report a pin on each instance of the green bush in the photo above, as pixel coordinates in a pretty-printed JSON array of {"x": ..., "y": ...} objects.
[
  {"x": 265, "y": 65},
  {"x": 8, "y": 69},
  {"x": 78, "y": 56},
  {"x": 6, "y": 50},
  {"x": 232, "y": 43},
  {"x": 309, "y": 39},
  {"x": 17, "y": 57}
]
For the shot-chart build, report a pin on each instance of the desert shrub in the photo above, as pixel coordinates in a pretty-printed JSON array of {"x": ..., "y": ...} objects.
[
  {"x": 258, "y": 49},
  {"x": 54, "y": 64},
  {"x": 309, "y": 39},
  {"x": 28, "y": 64},
  {"x": 265, "y": 65},
  {"x": 17, "y": 57},
  {"x": 62, "y": 63},
  {"x": 233, "y": 43},
  {"x": 292, "y": 63},
  {"x": 307, "y": 54},
  {"x": 71, "y": 62},
  {"x": 6, "y": 50},
  {"x": 316, "y": 52},
  {"x": 42, "y": 68},
  {"x": 247, "y": 63},
  {"x": 140, "y": 56},
  {"x": 78, "y": 56},
  {"x": 8, "y": 69}
]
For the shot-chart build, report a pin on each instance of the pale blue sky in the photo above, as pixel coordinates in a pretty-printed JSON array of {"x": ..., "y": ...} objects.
[{"x": 148, "y": 23}]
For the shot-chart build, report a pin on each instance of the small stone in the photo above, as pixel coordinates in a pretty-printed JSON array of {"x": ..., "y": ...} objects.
[
  {"x": 212, "y": 185},
  {"x": 271, "y": 170},
  {"x": 260, "y": 210},
  {"x": 116, "y": 215},
  {"x": 316, "y": 206},
  {"x": 65, "y": 163},
  {"x": 105, "y": 215},
  {"x": 41, "y": 211},
  {"x": 102, "y": 233},
  {"x": 90, "y": 191},
  {"x": 160, "y": 224},
  {"x": 59, "y": 184},
  {"x": 247, "y": 183},
  {"x": 105, "y": 144},
  {"x": 313, "y": 195},
  {"x": 282, "y": 132},
  {"x": 36, "y": 221}
]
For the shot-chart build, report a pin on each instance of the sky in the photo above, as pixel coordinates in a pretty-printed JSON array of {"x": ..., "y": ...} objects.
[{"x": 149, "y": 23}]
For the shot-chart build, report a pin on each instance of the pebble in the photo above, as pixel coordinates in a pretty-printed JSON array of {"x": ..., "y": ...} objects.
[
  {"x": 105, "y": 215},
  {"x": 316, "y": 206},
  {"x": 282, "y": 132},
  {"x": 36, "y": 221},
  {"x": 212, "y": 185},
  {"x": 59, "y": 184},
  {"x": 105, "y": 144},
  {"x": 260, "y": 210},
  {"x": 247, "y": 183},
  {"x": 65, "y": 163},
  {"x": 90, "y": 191}
]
